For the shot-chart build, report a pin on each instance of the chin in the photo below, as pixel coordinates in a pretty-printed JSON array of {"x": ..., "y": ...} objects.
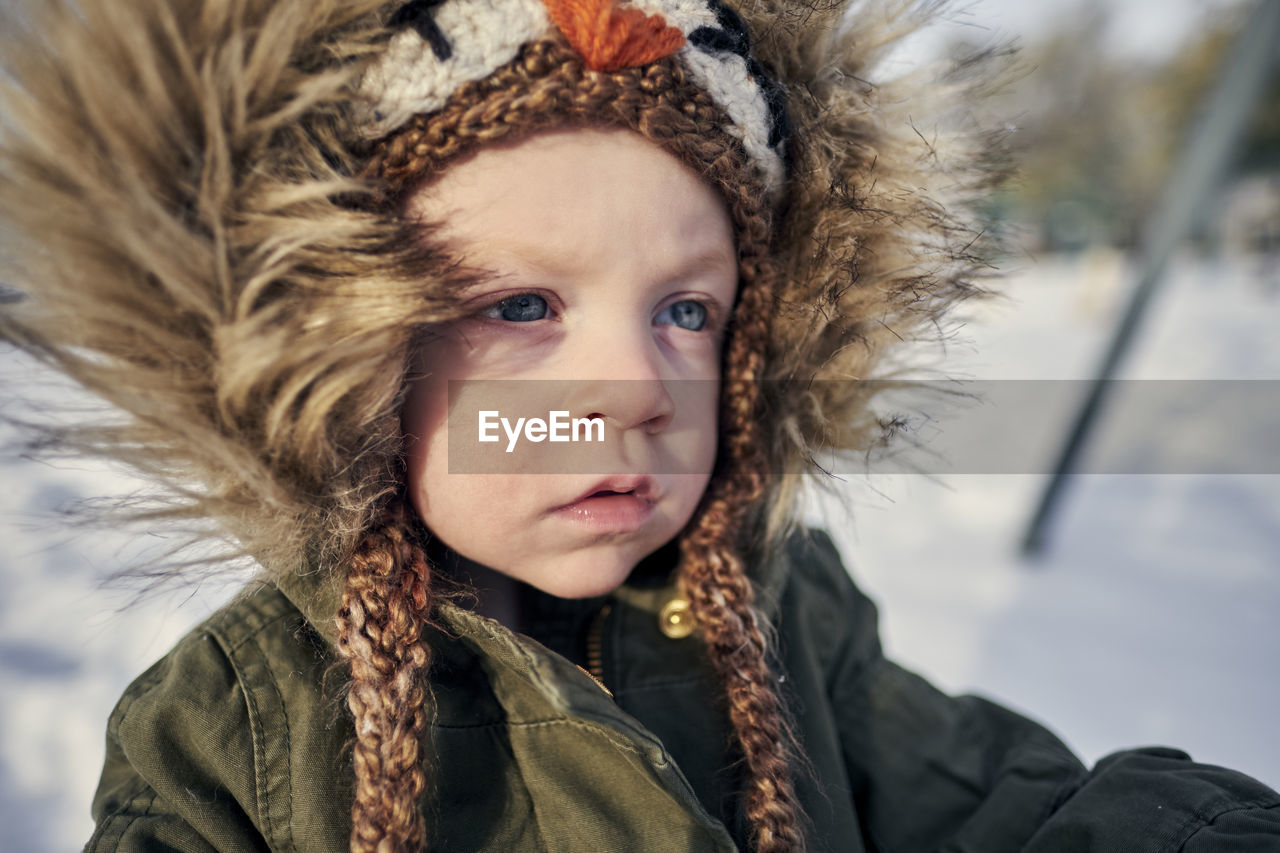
[{"x": 584, "y": 575}]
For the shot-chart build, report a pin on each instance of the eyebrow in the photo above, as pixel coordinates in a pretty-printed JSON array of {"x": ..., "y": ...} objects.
[
  {"x": 548, "y": 262},
  {"x": 708, "y": 260}
]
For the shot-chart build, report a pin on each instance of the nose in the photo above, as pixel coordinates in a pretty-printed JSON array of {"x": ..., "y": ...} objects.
[{"x": 623, "y": 382}]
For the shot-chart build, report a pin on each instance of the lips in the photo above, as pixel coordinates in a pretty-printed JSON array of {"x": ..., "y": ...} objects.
[
  {"x": 619, "y": 504},
  {"x": 637, "y": 485}
]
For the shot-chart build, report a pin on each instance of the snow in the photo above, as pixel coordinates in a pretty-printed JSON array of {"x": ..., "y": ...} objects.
[{"x": 1151, "y": 619}]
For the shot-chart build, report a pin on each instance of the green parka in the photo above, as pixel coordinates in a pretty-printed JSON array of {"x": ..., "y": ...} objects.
[{"x": 236, "y": 741}]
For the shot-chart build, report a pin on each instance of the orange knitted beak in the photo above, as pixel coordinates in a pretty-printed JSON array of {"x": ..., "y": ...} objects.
[{"x": 609, "y": 37}]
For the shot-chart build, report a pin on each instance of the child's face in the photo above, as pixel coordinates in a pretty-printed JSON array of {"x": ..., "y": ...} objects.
[{"x": 614, "y": 267}]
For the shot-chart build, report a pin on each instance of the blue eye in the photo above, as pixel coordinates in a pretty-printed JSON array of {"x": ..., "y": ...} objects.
[
  {"x": 687, "y": 314},
  {"x": 521, "y": 308}
]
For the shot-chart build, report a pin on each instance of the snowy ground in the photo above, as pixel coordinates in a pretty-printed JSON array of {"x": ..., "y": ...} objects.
[
  {"x": 1152, "y": 619},
  {"x": 1153, "y": 616}
]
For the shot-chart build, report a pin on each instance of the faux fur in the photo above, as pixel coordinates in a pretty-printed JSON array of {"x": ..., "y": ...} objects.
[{"x": 177, "y": 208}]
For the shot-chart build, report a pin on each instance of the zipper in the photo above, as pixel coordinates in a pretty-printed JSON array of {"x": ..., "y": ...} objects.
[{"x": 595, "y": 647}]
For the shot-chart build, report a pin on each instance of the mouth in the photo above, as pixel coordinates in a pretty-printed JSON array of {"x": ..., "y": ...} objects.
[
  {"x": 637, "y": 486},
  {"x": 616, "y": 504}
]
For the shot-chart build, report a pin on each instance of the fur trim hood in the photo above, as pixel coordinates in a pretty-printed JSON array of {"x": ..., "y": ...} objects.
[{"x": 172, "y": 177}]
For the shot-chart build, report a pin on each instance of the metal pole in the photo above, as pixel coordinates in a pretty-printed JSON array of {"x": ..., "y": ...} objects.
[{"x": 1210, "y": 146}]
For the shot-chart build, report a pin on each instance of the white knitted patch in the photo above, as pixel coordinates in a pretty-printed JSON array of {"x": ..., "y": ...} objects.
[
  {"x": 485, "y": 34},
  {"x": 725, "y": 77},
  {"x": 684, "y": 15}
]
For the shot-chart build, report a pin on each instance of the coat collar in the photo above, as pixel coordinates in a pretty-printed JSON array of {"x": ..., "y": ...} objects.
[{"x": 317, "y": 594}]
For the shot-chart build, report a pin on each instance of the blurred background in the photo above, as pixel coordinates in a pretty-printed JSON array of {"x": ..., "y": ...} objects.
[{"x": 1151, "y": 613}]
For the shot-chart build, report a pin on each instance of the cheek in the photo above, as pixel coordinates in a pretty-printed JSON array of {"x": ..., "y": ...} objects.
[
  {"x": 709, "y": 433},
  {"x": 424, "y": 419},
  {"x": 695, "y": 448},
  {"x": 696, "y": 429},
  {"x": 425, "y": 429},
  {"x": 709, "y": 426},
  {"x": 459, "y": 508},
  {"x": 692, "y": 356}
]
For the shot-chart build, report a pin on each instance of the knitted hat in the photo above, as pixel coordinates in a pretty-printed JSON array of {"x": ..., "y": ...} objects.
[{"x": 446, "y": 44}]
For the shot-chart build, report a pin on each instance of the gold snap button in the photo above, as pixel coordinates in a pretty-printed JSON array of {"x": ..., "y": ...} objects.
[{"x": 675, "y": 620}]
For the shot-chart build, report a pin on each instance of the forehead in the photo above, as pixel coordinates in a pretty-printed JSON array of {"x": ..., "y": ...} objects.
[{"x": 572, "y": 191}]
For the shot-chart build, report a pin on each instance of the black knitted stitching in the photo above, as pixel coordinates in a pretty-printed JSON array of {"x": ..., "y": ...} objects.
[{"x": 420, "y": 14}]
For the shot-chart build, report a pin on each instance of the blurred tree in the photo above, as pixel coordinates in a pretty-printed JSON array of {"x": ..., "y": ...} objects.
[
  {"x": 1098, "y": 130},
  {"x": 1262, "y": 146}
]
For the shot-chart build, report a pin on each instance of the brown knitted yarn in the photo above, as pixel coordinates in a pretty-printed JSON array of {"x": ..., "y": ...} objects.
[
  {"x": 546, "y": 86},
  {"x": 720, "y": 594},
  {"x": 385, "y": 607}
]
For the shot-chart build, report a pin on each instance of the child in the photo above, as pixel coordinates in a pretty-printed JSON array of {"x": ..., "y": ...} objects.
[{"x": 295, "y": 241}]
